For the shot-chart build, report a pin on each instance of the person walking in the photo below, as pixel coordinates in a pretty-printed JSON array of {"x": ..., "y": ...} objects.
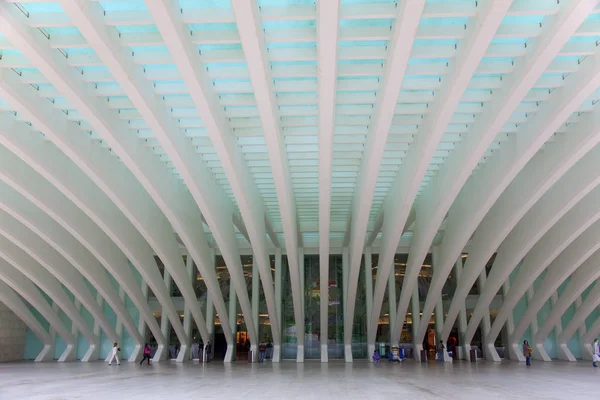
[
  {"x": 262, "y": 349},
  {"x": 114, "y": 355},
  {"x": 527, "y": 353},
  {"x": 146, "y": 354},
  {"x": 440, "y": 351},
  {"x": 596, "y": 355}
]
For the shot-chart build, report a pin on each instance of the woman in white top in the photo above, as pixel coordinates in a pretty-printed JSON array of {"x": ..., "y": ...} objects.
[
  {"x": 115, "y": 350},
  {"x": 596, "y": 355}
]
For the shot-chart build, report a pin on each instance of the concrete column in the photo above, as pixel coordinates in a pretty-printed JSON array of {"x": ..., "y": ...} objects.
[
  {"x": 210, "y": 324},
  {"x": 510, "y": 321},
  {"x": 164, "y": 321},
  {"x": 75, "y": 331},
  {"x": 416, "y": 320},
  {"x": 231, "y": 348},
  {"x": 392, "y": 302},
  {"x": 142, "y": 327},
  {"x": 278, "y": 302},
  {"x": 369, "y": 290},
  {"x": 255, "y": 298},
  {"x": 119, "y": 324},
  {"x": 489, "y": 351},
  {"x": 439, "y": 310},
  {"x": 300, "y": 324},
  {"x": 585, "y": 354},
  {"x": 463, "y": 348},
  {"x": 345, "y": 277},
  {"x": 186, "y": 354}
]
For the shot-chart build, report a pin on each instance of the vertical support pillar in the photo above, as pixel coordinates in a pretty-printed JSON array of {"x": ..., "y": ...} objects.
[
  {"x": 439, "y": 309},
  {"x": 557, "y": 327},
  {"x": 255, "y": 298},
  {"x": 230, "y": 355},
  {"x": 324, "y": 305},
  {"x": 300, "y": 324},
  {"x": 509, "y": 326},
  {"x": 119, "y": 325},
  {"x": 75, "y": 331},
  {"x": 278, "y": 302},
  {"x": 585, "y": 353},
  {"x": 165, "y": 326},
  {"x": 415, "y": 305},
  {"x": 369, "y": 290},
  {"x": 142, "y": 327},
  {"x": 489, "y": 350},
  {"x": 392, "y": 302},
  {"x": 210, "y": 322},
  {"x": 463, "y": 348},
  {"x": 185, "y": 352},
  {"x": 345, "y": 277}
]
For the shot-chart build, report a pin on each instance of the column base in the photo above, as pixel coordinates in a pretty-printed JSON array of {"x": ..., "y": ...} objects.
[
  {"x": 136, "y": 354},
  {"x": 276, "y": 357},
  {"x": 46, "y": 354},
  {"x": 540, "y": 353},
  {"x": 324, "y": 354},
  {"x": 417, "y": 351},
  {"x": 69, "y": 354},
  {"x": 370, "y": 351},
  {"x": 184, "y": 353},
  {"x": 565, "y": 354},
  {"x": 300, "y": 354},
  {"x": 92, "y": 352},
  {"x": 490, "y": 353},
  {"x": 587, "y": 352},
  {"x": 348, "y": 353},
  {"x": 515, "y": 352},
  {"x": 229, "y": 354},
  {"x": 160, "y": 353}
]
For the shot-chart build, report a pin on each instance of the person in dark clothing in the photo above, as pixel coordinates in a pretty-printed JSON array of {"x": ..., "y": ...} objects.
[
  {"x": 146, "y": 354},
  {"x": 261, "y": 352},
  {"x": 440, "y": 351}
]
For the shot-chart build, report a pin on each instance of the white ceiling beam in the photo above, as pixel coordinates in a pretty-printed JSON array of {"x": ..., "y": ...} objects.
[
  {"x": 479, "y": 195},
  {"x": 204, "y": 98},
  {"x": 61, "y": 241},
  {"x": 14, "y": 303},
  {"x": 405, "y": 28},
  {"x": 299, "y": 13},
  {"x": 408, "y": 180},
  {"x": 327, "y": 31},
  {"x": 543, "y": 174},
  {"x": 146, "y": 168},
  {"x": 28, "y": 291},
  {"x": 248, "y": 21},
  {"x": 549, "y": 250},
  {"x": 23, "y": 180}
]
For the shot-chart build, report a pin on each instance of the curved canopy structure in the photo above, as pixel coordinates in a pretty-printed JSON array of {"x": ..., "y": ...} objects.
[{"x": 323, "y": 175}]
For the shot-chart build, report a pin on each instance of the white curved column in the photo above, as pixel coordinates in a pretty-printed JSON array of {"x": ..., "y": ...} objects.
[
  {"x": 26, "y": 289},
  {"x": 586, "y": 274},
  {"x": 547, "y": 249},
  {"x": 511, "y": 210},
  {"x": 399, "y": 49},
  {"x": 577, "y": 285},
  {"x": 11, "y": 300},
  {"x": 62, "y": 242},
  {"x": 110, "y": 175},
  {"x": 46, "y": 280},
  {"x": 328, "y": 21},
  {"x": 480, "y": 31},
  {"x": 31, "y": 186},
  {"x": 216, "y": 207},
  {"x": 483, "y": 188},
  {"x": 592, "y": 333},
  {"x": 560, "y": 269},
  {"x": 137, "y": 206},
  {"x": 247, "y": 18}
]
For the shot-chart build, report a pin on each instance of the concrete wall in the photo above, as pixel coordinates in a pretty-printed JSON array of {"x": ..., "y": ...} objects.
[{"x": 12, "y": 335}]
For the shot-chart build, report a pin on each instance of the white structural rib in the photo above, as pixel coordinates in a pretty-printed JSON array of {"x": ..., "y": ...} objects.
[
  {"x": 557, "y": 272},
  {"x": 190, "y": 65},
  {"x": 484, "y": 188},
  {"x": 89, "y": 19},
  {"x": 27, "y": 290},
  {"x": 591, "y": 303},
  {"x": 247, "y": 17},
  {"x": 72, "y": 182},
  {"x": 481, "y": 30},
  {"x": 27, "y": 214},
  {"x": 547, "y": 249},
  {"x": 141, "y": 211},
  {"x": 10, "y": 299},
  {"x": 42, "y": 276},
  {"x": 405, "y": 29},
  {"x": 42, "y": 155},
  {"x": 568, "y": 156},
  {"x": 327, "y": 41},
  {"x": 584, "y": 276}
]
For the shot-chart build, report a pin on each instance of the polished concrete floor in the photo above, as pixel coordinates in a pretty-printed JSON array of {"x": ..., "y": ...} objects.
[{"x": 288, "y": 380}]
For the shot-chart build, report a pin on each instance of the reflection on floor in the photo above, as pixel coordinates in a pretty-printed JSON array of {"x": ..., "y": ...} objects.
[{"x": 288, "y": 380}]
